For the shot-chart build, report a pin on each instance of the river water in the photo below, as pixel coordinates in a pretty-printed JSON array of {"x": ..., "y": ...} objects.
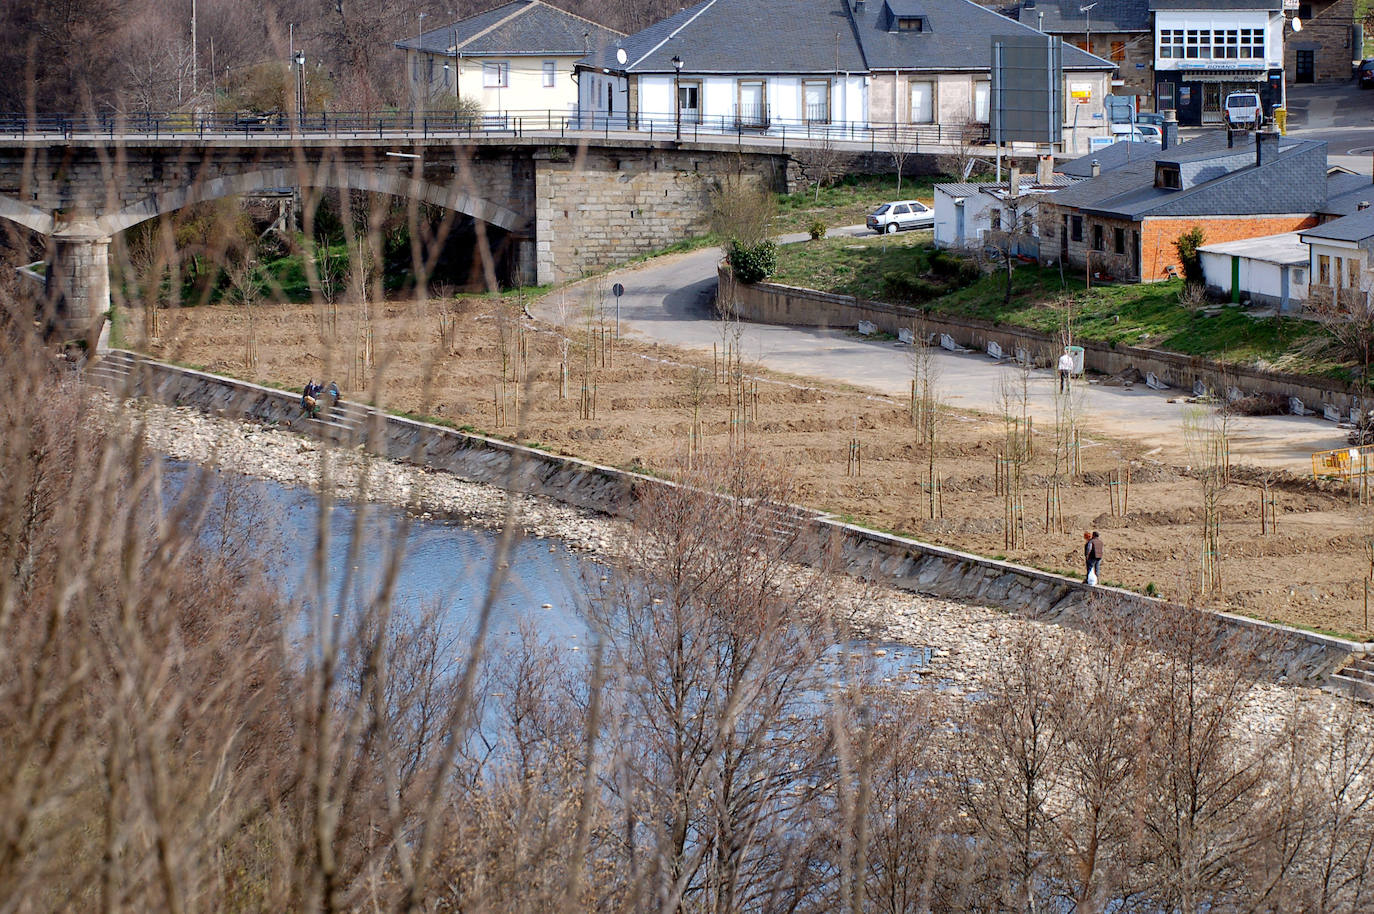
[{"x": 446, "y": 567}]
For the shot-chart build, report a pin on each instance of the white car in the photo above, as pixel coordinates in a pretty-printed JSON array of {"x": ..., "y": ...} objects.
[
  {"x": 1243, "y": 108},
  {"x": 901, "y": 214}
]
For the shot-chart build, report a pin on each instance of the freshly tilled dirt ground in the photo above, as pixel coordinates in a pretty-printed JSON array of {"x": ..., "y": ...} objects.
[{"x": 446, "y": 360}]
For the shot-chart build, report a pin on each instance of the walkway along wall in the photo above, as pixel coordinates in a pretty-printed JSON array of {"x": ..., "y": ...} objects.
[
  {"x": 1289, "y": 654},
  {"x": 770, "y": 303}
]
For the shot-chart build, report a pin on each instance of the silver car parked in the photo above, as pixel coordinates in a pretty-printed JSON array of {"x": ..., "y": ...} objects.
[{"x": 901, "y": 214}]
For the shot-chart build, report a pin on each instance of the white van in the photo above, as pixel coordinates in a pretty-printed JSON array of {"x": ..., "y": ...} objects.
[{"x": 1243, "y": 109}]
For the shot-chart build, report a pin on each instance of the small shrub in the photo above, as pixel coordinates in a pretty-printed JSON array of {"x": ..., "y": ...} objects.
[
  {"x": 1192, "y": 295},
  {"x": 753, "y": 263},
  {"x": 1151, "y": 589},
  {"x": 816, "y": 230},
  {"x": 1258, "y": 405},
  {"x": 910, "y": 287},
  {"x": 945, "y": 264},
  {"x": 1187, "y": 245}
]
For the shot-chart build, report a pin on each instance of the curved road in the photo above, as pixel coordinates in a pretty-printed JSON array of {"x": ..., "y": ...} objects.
[{"x": 670, "y": 300}]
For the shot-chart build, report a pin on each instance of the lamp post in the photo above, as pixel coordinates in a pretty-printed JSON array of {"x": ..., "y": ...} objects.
[
  {"x": 677, "y": 93},
  {"x": 419, "y": 57},
  {"x": 300, "y": 85}
]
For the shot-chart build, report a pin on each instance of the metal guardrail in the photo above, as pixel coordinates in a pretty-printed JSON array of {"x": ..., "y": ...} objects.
[{"x": 248, "y": 125}]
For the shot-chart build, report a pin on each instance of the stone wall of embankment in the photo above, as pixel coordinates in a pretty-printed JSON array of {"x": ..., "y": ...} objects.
[
  {"x": 771, "y": 303},
  {"x": 1290, "y": 654}
]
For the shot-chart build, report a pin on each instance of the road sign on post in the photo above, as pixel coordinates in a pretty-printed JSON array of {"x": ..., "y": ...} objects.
[{"x": 617, "y": 290}]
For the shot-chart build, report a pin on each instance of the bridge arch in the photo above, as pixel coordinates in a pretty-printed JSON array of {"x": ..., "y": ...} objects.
[{"x": 337, "y": 177}]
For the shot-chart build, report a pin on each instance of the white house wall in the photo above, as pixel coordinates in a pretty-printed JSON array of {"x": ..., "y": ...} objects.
[
  {"x": 602, "y": 95},
  {"x": 1260, "y": 280},
  {"x": 431, "y": 84},
  {"x": 1221, "y": 19}
]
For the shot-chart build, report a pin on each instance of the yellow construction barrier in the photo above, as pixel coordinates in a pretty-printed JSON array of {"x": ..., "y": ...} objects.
[
  {"x": 1281, "y": 120},
  {"x": 1343, "y": 462}
]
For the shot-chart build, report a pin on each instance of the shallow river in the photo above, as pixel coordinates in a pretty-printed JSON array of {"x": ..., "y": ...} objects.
[{"x": 447, "y": 565}]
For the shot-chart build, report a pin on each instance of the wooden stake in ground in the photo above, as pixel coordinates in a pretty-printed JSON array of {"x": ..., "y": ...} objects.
[{"x": 1269, "y": 511}]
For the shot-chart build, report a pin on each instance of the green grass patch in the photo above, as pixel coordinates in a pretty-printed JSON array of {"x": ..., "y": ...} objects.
[
  {"x": 1149, "y": 315},
  {"x": 852, "y": 266},
  {"x": 849, "y": 201}
]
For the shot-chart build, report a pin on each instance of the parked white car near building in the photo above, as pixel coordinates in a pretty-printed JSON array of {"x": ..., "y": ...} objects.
[{"x": 901, "y": 214}]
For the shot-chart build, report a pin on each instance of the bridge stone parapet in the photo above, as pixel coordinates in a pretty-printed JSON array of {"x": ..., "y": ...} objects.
[{"x": 570, "y": 208}]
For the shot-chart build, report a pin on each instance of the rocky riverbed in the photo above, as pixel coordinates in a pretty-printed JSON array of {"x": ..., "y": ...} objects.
[{"x": 967, "y": 642}]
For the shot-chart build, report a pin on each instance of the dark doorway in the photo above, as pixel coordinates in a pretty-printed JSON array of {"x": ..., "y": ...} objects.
[{"x": 1305, "y": 71}]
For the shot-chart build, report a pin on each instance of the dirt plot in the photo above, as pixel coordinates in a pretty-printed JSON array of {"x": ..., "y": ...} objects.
[{"x": 856, "y": 454}]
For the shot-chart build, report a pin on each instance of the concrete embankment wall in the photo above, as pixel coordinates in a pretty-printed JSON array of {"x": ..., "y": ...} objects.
[
  {"x": 1290, "y": 654},
  {"x": 771, "y": 303}
]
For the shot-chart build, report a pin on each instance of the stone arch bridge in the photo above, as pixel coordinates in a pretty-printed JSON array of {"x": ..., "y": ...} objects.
[{"x": 569, "y": 207}]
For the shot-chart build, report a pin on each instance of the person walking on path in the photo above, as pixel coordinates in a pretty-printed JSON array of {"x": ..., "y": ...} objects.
[
  {"x": 1092, "y": 556},
  {"x": 1065, "y": 370}
]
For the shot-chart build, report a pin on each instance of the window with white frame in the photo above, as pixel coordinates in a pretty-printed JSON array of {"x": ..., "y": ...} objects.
[
  {"x": 550, "y": 74},
  {"x": 1171, "y": 43},
  {"x": 980, "y": 101},
  {"x": 1211, "y": 44},
  {"x": 1226, "y": 44},
  {"x": 495, "y": 75},
  {"x": 922, "y": 102},
  {"x": 816, "y": 101}
]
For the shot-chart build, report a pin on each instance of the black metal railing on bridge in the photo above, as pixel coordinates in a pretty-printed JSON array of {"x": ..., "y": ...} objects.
[{"x": 753, "y": 126}]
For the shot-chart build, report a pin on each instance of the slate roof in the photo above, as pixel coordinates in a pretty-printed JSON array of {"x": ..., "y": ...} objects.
[
  {"x": 1067, "y": 16},
  {"x": 1358, "y": 227},
  {"x": 517, "y": 29},
  {"x": 743, "y": 36},
  {"x": 1027, "y": 182},
  {"x": 1110, "y": 158},
  {"x": 1217, "y": 180},
  {"x": 1215, "y": 5},
  {"x": 1345, "y": 192},
  {"x": 821, "y": 36},
  {"x": 958, "y": 37}
]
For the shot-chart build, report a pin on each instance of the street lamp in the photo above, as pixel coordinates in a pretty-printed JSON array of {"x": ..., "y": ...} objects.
[
  {"x": 419, "y": 58},
  {"x": 300, "y": 85},
  {"x": 677, "y": 93}
]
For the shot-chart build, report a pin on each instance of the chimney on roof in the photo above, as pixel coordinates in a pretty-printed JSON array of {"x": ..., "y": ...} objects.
[
  {"x": 1361, "y": 206},
  {"x": 1014, "y": 181},
  {"x": 1044, "y": 170},
  {"x": 1168, "y": 138},
  {"x": 1096, "y": 167},
  {"x": 1266, "y": 144}
]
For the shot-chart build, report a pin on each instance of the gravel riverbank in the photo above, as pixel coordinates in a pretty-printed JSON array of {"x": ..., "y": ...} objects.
[{"x": 967, "y": 641}]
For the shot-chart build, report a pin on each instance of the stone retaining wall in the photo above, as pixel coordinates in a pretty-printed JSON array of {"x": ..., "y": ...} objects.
[
  {"x": 771, "y": 303},
  {"x": 1291, "y": 654}
]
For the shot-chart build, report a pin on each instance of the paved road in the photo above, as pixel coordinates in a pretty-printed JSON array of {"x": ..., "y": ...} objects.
[{"x": 671, "y": 300}]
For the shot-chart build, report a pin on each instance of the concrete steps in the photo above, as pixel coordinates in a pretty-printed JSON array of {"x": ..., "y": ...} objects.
[
  {"x": 1355, "y": 679},
  {"x": 341, "y": 423},
  {"x": 112, "y": 371}
]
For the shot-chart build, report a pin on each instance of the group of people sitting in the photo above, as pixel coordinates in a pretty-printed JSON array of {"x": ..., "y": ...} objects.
[{"x": 310, "y": 397}]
